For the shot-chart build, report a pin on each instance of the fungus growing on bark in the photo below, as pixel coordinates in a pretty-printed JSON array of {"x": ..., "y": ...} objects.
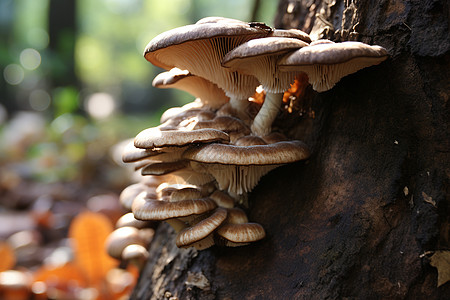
[
  {"x": 239, "y": 168},
  {"x": 200, "y": 48},
  {"x": 258, "y": 57},
  {"x": 326, "y": 62}
]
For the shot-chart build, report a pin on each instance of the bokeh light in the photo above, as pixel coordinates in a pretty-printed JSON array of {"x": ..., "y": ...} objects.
[
  {"x": 30, "y": 58},
  {"x": 100, "y": 105},
  {"x": 13, "y": 74},
  {"x": 39, "y": 100}
]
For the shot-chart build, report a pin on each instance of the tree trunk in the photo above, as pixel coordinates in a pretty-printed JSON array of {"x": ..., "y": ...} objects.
[{"x": 361, "y": 218}]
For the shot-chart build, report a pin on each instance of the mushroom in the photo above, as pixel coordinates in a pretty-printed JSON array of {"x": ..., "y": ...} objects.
[
  {"x": 209, "y": 94},
  {"x": 237, "y": 231},
  {"x": 239, "y": 168},
  {"x": 258, "y": 57},
  {"x": 135, "y": 254},
  {"x": 121, "y": 238},
  {"x": 326, "y": 63},
  {"x": 200, "y": 235},
  {"x": 200, "y": 48}
]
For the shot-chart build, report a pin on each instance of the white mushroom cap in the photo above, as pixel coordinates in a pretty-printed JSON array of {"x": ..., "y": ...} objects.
[
  {"x": 326, "y": 63},
  {"x": 200, "y": 235},
  {"x": 200, "y": 48},
  {"x": 208, "y": 93}
]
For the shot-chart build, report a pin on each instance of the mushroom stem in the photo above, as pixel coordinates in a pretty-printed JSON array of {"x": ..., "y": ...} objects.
[
  {"x": 240, "y": 107},
  {"x": 263, "y": 120}
]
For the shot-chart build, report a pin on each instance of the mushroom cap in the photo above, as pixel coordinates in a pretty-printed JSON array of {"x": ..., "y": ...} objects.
[
  {"x": 326, "y": 63},
  {"x": 199, "y": 48},
  {"x": 258, "y": 57},
  {"x": 277, "y": 153},
  {"x": 151, "y": 209},
  {"x": 241, "y": 234},
  {"x": 218, "y": 20},
  {"x": 132, "y": 154},
  {"x": 135, "y": 253},
  {"x": 155, "y": 138},
  {"x": 208, "y": 93},
  {"x": 291, "y": 33},
  {"x": 162, "y": 168},
  {"x": 128, "y": 219},
  {"x": 129, "y": 193},
  {"x": 193, "y": 236},
  {"x": 120, "y": 238},
  {"x": 222, "y": 199},
  {"x": 239, "y": 168}
]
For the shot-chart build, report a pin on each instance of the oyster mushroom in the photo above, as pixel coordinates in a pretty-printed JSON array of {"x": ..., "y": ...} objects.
[
  {"x": 258, "y": 57},
  {"x": 239, "y": 168},
  {"x": 209, "y": 94},
  {"x": 200, "y": 48},
  {"x": 326, "y": 62}
]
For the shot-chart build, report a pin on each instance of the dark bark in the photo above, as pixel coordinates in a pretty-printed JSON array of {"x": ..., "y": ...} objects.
[{"x": 342, "y": 224}]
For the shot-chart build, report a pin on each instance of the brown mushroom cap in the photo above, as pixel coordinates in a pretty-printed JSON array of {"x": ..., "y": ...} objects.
[
  {"x": 240, "y": 234},
  {"x": 151, "y": 209},
  {"x": 199, "y": 48},
  {"x": 239, "y": 168},
  {"x": 128, "y": 219},
  {"x": 200, "y": 234},
  {"x": 137, "y": 254},
  {"x": 208, "y": 93},
  {"x": 326, "y": 63},
  {"x": 162, "y": 168},
  {"x": 156, "y": 138},
  {"x": 222, "y": 199}
]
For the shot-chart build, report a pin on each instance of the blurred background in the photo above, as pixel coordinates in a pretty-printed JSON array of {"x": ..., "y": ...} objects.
[{"x": 73, "y": 85}]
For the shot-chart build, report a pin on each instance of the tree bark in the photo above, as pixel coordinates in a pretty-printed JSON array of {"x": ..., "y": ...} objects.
[{"x": 361, "y": 217}]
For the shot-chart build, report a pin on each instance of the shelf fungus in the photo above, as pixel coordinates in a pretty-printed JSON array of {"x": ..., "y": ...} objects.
[{"x": 198, "y": 166}]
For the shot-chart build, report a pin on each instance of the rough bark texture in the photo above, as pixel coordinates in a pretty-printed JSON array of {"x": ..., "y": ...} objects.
[{"x": 343, "y": 225}]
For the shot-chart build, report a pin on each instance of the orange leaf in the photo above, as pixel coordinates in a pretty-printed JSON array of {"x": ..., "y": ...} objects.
[
  {"x": 8, "y": 259},
  {"x": 60, "y": 277},
  {"x": 88, "y": 232}
]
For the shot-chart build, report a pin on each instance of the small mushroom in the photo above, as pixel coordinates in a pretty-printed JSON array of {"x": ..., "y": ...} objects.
[
  {"x": 121, "y": 238},
  {"x": 326, "y": 63},
  {"x": 200, "y": 235},
  {"x": 209, "y": 94},
  {"x": 258, "y": 57},
  {"x": 237, "y": 231}
]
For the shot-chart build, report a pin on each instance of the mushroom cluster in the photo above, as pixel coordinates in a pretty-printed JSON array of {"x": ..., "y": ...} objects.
[{"x": 199, "y": 164}]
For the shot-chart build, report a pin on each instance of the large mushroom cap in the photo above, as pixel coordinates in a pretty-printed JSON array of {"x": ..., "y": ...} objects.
[
  {"x": 271, "y": 154},
  {"x": 326, "y": 63},
  {"x": 200, "y": 48},
  {"x": 240, "y": 234},
  {"x": 239, "y": 168}
]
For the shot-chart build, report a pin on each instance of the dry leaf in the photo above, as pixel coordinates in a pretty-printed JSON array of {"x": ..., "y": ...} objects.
[
  {"x": 428, "y": 199},
  {"x": 441, "y": 261},
  {"x": 88, "y": 232},
  {"x": 61, "y": 277},
  {"x": 8, "y": 259}
]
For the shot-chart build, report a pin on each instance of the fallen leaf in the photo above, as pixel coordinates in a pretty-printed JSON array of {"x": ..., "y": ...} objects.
[
  {"x": 8, "y": 259},
  {"x": 88, "y": 232},
  {"x": 441, "y": 261}
]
